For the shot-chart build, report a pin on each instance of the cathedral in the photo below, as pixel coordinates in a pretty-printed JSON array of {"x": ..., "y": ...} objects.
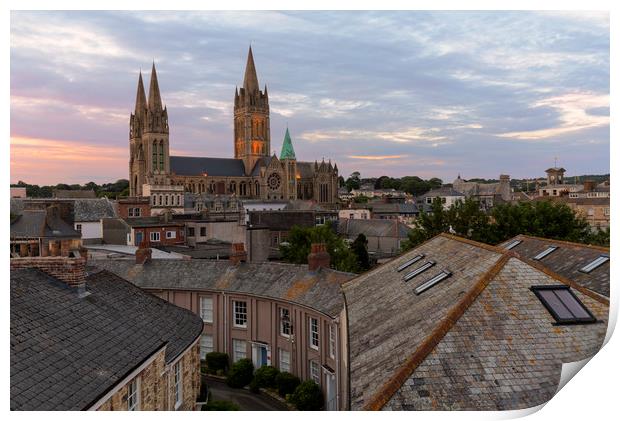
[{"x": 253, "y": 173}]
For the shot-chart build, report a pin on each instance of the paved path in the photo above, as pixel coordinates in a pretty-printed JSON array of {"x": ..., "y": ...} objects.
[{"x": 246, "y": 400}]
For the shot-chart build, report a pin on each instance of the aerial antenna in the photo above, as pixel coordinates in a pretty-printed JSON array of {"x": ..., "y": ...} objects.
[{"x": 555, "y": 160}]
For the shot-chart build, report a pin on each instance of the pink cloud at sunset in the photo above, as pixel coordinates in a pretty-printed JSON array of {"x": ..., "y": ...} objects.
[{"x": 46, "y": 161}]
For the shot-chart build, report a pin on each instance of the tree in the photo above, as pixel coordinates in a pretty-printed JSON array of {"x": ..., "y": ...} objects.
[
  {"x": 240, "y": 374},
  {"x": 360, "y": 249},
  {"x": 307, "y": 396},
  {"x": 428, "y": 225}
]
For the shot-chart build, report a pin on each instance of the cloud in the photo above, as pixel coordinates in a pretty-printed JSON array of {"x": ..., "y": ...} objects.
[
  {"x": 377, "y": 157},
  {"x": 574, "y": 115}
]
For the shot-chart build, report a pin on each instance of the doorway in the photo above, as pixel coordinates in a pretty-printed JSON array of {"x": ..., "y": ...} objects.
[{"x": 260, "y": 355}]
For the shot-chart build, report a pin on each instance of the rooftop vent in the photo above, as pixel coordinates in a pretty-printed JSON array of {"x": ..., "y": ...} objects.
[
  {"x": 595, "y": 263},
  {"x": 431, "y": 282},
  {"x": 512, "y": 244},
  {"x": 409, "y": 263},
  {"x": 545, "y": 252},
  {"x": 418, "y": 271}
]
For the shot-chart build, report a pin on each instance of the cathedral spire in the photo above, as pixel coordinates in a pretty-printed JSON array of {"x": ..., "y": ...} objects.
[
  {"x": 287, "y": 147},
  {"x": 250, "y": 80},
  {"x": 140, "y": 97},
  {"x": 154, "y": 96}
]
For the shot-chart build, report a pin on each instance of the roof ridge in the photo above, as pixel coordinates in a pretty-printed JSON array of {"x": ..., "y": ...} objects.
[
  {"x": 542, "y": 268},
  {"x": 385, "y": 393},
  {"x": 485, "y": 246},
  {"x": 570, "y": 243}
]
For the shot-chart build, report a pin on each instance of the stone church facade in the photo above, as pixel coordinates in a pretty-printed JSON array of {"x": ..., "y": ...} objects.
[{"x": 253, "y": 173}]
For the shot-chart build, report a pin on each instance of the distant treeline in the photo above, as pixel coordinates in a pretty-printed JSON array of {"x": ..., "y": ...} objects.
[{"x": 120, "y": 188}]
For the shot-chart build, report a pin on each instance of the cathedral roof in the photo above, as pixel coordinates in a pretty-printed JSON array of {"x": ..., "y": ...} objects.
[
  {"x": 287, "y": 147},
  {"x": 140, "y": 97},
  {"x": 221, "y": 167},
  {"x": 154, "y": 95}
]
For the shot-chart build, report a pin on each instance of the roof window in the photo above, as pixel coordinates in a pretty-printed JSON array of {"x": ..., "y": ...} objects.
[
  {"x": 512, "y": 244},
  {"x": 419, "y": 270},
  {"x": 545, "y": 252},
  {"x": 432, "y": 282},
  {"x": 563, "y": 304},
  {"x": 595, "y": 263},
  {"x": 409, "y": 263}
]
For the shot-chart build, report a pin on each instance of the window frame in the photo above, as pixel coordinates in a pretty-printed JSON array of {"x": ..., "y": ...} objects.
[
  {"x": 244, "y": 314},
  {"x": 558, "y": 319},
  {"x": 136, "y": 393},
  {"x": 78, "y": 227},
  {"x": 312, "y": 366},
  {"x": 314, "y": 333},
  {"x": 426, "y": 266},
  {"x": 171, "y": 235},
  {"x": 410, "y": 262},
  {"x": 236, "y": 341},
  {"x": 280, "y": 360},
  {"x": 204, "y": 336},
  {"x": 282, "y": 323},
  {"x": 332, "y": 341},
  {"x": 512, "y": 244},
  {"x": 154, "y": 236},
  {"x": 546, "y": 252},
  {"x": 202, "y": 309},
  {"x": 428, "y": 284},
  {"x": 178, "y": 384}
]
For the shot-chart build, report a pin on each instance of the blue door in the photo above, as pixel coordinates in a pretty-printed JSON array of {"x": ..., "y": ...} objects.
[{"x": 138, "y": 238}]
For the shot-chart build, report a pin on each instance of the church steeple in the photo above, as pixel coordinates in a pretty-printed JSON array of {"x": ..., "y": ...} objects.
[
  {"x": 287, "y": 147},
  {"x": 250, "y": 80},
  {"x": 140, "y": 97},
  {"x": 154, "y": 95}
]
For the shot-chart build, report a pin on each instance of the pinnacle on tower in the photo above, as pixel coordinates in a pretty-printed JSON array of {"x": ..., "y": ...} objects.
[
  {"x": 154, "y": 96},
  {"x": 140, "y": 97},
  {"x": 287, "y": 147},
  {"x": 250, "y": 80}
]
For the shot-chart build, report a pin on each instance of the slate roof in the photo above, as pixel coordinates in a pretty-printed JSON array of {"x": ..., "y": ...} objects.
[
  {"x": 92, "y": 210},
  {"x": 319, "y": 290},
  {"x": 567, "y": 260},
  {"x": 351, "y": 228},
  {"x": 479, "y": 340},
  {"x": 220, "y": 167},
  {"x": 441, "y": 192},
  {"x": 151, "y": 221},
  {"x": 66, "y": 351},
  {"x": 399, "y": 208},
  {"x": 17, "y": 206},
  {"x": 262, "y": 162},
  {"x": 37, "y": 224},
  {"x": 305, "y": 169}
]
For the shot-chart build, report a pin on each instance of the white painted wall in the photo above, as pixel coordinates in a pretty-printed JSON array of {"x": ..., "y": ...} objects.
[{"x": 90, "y": 229}]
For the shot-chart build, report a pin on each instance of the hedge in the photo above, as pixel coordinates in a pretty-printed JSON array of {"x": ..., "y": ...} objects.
[
  {"x": 286, "y": 383},
  {"x": 240, "y": 374},
  {"x": 307, "y": 396},
  {"x": 216, "y": 361}
]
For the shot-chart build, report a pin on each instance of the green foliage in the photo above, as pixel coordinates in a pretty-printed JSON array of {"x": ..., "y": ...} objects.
[
  {"x": 266, "y": 376},
  {"x": 216, "y": 361},
  {"x": 240, "y": 374},
  {"x": 221, "y": 406},
  {"x": 360, "y": 249},
  {"x": 307, "y": 396},
  {"x": 119, "y": 188},
  {"x": 361, "y": 199},
  {"x": 300, "y": 239},
  {"x": 540, "y": 218},
  {"x": 286, "y": 383}
]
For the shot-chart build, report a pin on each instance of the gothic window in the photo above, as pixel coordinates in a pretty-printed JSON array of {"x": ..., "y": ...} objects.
[
  {"x": 154, "y": 155},
  {"x": 233, "y": 187},
  {"x": 161, "y": 155},
  {"x": 257, "y": 188},
  {"x": 274, "y": 181}
]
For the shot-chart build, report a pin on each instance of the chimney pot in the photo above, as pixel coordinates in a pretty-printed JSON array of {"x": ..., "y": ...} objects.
[
  {"x": 318, "y": 257},
  {"x": 238, "y": 254}
]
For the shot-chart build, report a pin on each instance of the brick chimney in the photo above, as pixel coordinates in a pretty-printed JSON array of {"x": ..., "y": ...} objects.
[
  {"x": 143, "y": 253},
  {"x": 318, "y": 257},
  {"x": 589, "y": 185},
  {"x": 70, "y": 270},
  {"x": 238, "y": 254}
]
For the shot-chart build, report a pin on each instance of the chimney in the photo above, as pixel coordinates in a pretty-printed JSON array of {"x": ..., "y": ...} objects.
[
  {"x": 70, "y": 270},
  {"x": 589, "y": 185},
  {"x": 238, "y": 254},
  {"x": 143, "y": 253},
  {"x": 318, "y": 257}
]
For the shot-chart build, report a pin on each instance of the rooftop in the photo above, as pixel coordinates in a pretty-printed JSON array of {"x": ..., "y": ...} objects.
[
  {"x": 40, "y": 224},
  {"x": 372, "y": 228},
  {"x": 319, "y": 290},
  {"x": 477, "y": 340},
  {"x": 67, "y": 351},
  {"x": 567, "y": 260},
  {"x": 220, "y": 167},
  {"x": 92, "y": 210}
]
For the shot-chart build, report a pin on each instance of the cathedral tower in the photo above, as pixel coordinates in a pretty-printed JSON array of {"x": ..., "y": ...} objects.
[
  {"x": 251, "y": 126},
  {"x": 149, "y": 161},
  {"x": 288, "y": 159}
]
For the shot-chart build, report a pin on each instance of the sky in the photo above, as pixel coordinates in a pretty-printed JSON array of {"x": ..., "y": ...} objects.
[{"x": 432, "y": 94}]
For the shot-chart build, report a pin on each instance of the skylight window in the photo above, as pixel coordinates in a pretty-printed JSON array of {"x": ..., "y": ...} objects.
[
  {"x": 409, "y": 262},
  {"x": 512, "y": 244},
  {"x": 418, "y": 271},
  {"x": 431, "y": 282},
  {"x": 595, "y": 263},
  {"x": 563, "y": 305},
  {"x": 545, "y": 252}
]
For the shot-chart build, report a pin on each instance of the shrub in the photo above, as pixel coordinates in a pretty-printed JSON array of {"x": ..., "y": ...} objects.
[
  {"x": 254, "y": 388},
  {"x": 307, "y": 396},
  {"x": 221, "y": 406},
  {"x": 241, "y": 373},
  {"x": 216, "y": 361},
  {"x": 266, "y": 376},
  {"x": 286, "y": 383}
]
